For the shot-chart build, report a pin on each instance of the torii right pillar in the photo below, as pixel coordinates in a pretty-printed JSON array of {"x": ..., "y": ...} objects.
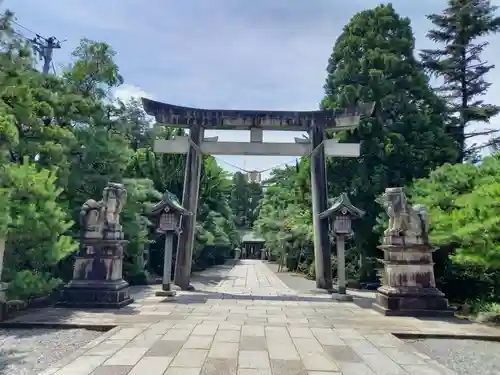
[
  {"x": 319, "y": 192},
  {"x": 343, "y": 120}
]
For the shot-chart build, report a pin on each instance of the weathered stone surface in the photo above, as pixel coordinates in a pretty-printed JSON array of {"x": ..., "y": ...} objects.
[
  {"x": 253, "y": 359},
  {"x": 253, "y": 343},
  {"x": 126, "y": 357},
  {"x": 409, "y": 287},
  {"x": 183, "y": 371},
  {"x": 179, "y": 116},
  {"x": 98, "y": 269},
  {"x": 112, "y": 370},
  {"x": 198, "y": 342},
  {"x": 151, "y": 366},
  {"x": 190, "y": 358},
  {"x": 165, "y": 348},
  {"x": 227, "y": 350},
  {"x": 287, "y": 367},
  {"x": 342, "y": 353},
  {"x": 219, "y": 366}
]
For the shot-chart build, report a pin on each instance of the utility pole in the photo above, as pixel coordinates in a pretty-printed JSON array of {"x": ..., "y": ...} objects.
[{"x": 44, "y": 47}]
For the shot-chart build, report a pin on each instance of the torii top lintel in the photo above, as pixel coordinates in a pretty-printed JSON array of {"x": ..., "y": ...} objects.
[{"x": 184, "y": 117}]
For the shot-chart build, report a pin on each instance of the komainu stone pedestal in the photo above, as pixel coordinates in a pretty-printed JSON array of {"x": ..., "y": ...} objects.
[
  {"x": 409, "y": 286},
  {"x": 97, "y": 276},
  {"x": 98, "y": 270}
]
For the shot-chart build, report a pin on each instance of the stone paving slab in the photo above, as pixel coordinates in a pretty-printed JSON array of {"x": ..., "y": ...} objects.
[{"x": 248, "y": 323}]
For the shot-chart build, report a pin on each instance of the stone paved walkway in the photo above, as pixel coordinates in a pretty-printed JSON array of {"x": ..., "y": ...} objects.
[{"x": 245, "y": 321}]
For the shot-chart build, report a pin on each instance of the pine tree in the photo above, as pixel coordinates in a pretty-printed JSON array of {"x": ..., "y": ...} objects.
[{"x": 459, "y": 63}]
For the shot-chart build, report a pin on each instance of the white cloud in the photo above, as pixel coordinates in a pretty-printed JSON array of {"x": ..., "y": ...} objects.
[{"x": 127, "y": 92}]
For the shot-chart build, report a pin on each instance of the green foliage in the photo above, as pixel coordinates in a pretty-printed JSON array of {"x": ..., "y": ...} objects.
[
  {"x": 5, "y": 197},
  {"x": 36, "y": 239},
  {"x": 479, "y": 306},
  {"x": 29, "y": 284},
  {"x": 9, "y": 136},
  {"x": 94, "y": 71},
  {"x": 72, "y": 121},
  {"x": 373, "y": 60},
  {"x": 216, "y": 233},
  {"x": 30, "y": 114},
  {"x": 166, "y": 171},
  {"x": 464, "y": 205},
  {"x": 460, "y": 30},
  {"x": 99, "y": 157},
  {"x": 244, "y": 202},
  {"x": 285, "y": 220},
  {"x": 132, "y": 123},
  {"x": 141, "y": 195}
]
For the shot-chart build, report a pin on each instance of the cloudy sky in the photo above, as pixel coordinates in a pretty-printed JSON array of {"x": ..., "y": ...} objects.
[{"x": 228, "y": 54}]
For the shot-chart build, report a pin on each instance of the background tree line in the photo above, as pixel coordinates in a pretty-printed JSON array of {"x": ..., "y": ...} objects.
[
  {"x": 417, "y": 137},
  {"x": 62, "y": 139}
]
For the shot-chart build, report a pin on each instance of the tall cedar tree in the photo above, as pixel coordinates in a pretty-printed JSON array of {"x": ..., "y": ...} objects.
[
  {"x": 373, "y": 60},
  {"x": 459, "y": 63}
]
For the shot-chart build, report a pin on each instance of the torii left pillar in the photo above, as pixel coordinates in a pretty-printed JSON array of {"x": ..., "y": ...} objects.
[{"x": 190, "y": 196}]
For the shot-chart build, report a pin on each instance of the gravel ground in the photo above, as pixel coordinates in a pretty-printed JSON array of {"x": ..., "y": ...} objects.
[
  {"x": 465, "y": 357},
  {"x": 29, "y": 351}
]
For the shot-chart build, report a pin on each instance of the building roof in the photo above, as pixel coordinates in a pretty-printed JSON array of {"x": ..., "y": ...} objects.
[
  {"x": 169, "y": 200},
  {"x": 343, "y": 205},
  {"x": 250, "y": 236}
]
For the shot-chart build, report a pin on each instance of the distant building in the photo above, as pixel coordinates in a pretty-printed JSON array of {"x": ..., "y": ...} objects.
[{"x": 251, "y": 243}]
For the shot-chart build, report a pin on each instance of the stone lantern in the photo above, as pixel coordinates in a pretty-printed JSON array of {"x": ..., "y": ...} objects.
[
  {"x": 237, "y": 253},
  {"x": 167, "y": 217},
  {"x": 341, "y": 214}
]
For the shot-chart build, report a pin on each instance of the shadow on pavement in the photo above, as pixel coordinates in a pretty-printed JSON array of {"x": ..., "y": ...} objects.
[
  {"x": 213, "y": 276},
  {"x": 201, "y": 296}
]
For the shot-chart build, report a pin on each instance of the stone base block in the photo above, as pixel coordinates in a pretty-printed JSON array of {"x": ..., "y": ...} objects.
[
  {"x": 189, "y": 288},
  {"x": 423, "y": 304},
  {"x": 342, "y": 297},
  {"x": 96, "y": 294},
  {"x": 3, "y": 298},
  {"x": 166, "y": 291}
]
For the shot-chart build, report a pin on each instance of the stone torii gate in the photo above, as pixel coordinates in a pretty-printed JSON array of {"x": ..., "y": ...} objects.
[{"x": 194, "y": 145}]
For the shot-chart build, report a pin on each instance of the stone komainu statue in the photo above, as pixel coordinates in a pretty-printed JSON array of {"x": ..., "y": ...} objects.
[
  {"x": 96, "y": 218},
  {"x": 404, "y": 220}
]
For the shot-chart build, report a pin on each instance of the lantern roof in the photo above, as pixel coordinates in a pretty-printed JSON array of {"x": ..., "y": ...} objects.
[
  {"x": 342, "y": 205},
  {"x": 169, "y": 200}
]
